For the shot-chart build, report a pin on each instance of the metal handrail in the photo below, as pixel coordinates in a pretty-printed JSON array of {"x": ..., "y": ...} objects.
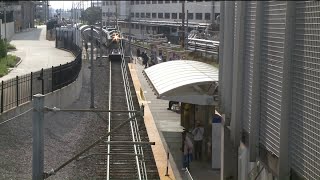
[{"x": 134, "y": 124}]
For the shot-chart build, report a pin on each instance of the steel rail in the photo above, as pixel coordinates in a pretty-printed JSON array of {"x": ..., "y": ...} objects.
[{"x": 140, "y": 149}]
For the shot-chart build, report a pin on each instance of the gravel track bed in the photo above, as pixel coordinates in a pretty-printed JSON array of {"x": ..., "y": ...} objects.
[{"x": 65, "y": 135}]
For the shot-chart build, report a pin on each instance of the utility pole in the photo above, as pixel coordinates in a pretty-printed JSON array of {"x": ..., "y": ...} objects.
[
  {"x": 183, "y": 30},
  {"x": 91, "y": 72},
  {"x": 37, "y": 137},
  {"x": 186, "y": 45},
  {"x": 5, "y": 22},
  {"x": 130, "y": 29},
  {"x": 108, "y": 17},
  {"x": 116, "y": 14},
  {"x": 100, "y": 44}
]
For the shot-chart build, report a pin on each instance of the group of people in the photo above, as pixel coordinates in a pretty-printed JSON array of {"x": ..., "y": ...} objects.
[
  {"x": 146, "y": 60},
  {"x": 188, "y": 147}
]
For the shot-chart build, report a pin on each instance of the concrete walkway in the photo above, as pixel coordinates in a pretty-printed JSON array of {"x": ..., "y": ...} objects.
[
  {"x": 168, "y": 125},
  {"x": 36, "y": 52}
]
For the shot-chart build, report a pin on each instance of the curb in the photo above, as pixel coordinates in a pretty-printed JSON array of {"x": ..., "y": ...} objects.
[{"x": 18, "y": 62}]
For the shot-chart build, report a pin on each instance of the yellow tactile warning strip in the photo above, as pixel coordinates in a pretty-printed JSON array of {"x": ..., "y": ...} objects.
[{"x": 158, "y": 149}]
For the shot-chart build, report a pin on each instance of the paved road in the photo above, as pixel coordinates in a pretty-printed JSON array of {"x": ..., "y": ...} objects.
[{"x": 36, "y": 52}]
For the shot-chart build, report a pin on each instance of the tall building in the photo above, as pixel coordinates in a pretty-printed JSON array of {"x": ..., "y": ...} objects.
[
  {"x": 269, "y": 83},
  {"x": 160, "y": 17}
]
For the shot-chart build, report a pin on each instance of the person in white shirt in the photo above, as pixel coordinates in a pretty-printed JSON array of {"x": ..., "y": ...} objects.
[{"x": 198, "y": 133}]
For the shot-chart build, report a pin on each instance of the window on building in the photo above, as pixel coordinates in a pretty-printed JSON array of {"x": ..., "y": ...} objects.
[
  {"x": 132, "y": 14},
  {"x": 180, "y": 15},
  {"x": 137, "y": 26},
  {"x": 142, "y": 27},
  {"x": 132, "y": 3},
  {"x": 154, "y": 28},
  {"x": 147, "y": 28},
  {"x": 160, "y": 15},
  {"x": 148, "y": 15},
  {"x": 142, "y": 15},
  {"x": 154, "y": 15},
  {"x": 166, "y": 1},
  {"x": 174, "y": 1},
  {"x": 154, "y": 1},
  {"x": 137, "y": 15},
  {"x": 143, "y": 2},
  {"x": 148, "y": 2},
  {"x": 160, "y": 1},
  {"x": 190, "y": 15},
  {"x": 137, "y": 2},
  {"x": 198, "y": 16},
  {"x": 207, "y": 16},
  {"x": 107, "y": 3},
  {"x": 132, "y": 26},
  {"x": 174, "y": 15},
  {"x": 103, "y": 3},
  {"x": 104, "y": 14},
  {"x": 167, "y": 15}
]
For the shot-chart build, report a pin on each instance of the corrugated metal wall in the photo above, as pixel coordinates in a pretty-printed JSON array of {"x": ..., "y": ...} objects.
[
  {"x": 271, "y": 61},
  {"x": 248, "y": 62},
  {"x": 305, "y": 119}
]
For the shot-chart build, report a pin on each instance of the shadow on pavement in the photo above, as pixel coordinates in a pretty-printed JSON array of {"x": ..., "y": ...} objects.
[{"x": 32, "y": 34}]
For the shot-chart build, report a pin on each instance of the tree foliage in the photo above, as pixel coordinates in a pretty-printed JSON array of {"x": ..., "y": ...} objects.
[{"x": 91, "y": 15}]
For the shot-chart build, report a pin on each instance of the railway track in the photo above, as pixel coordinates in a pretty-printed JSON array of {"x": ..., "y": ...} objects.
[{"x": 120, "y": 160}]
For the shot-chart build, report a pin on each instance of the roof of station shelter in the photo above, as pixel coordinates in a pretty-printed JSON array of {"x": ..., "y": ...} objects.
[{"x": 183, "y": 81}]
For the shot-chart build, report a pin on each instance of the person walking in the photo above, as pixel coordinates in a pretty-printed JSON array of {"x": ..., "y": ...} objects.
[
  {"x": 198, "y": 133},
  {"x": 187, "y": 149},
  {"x": 138, "y": 53}
]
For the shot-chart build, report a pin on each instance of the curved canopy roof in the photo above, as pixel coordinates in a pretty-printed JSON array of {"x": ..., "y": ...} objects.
[{"x": 184, "y": 81}]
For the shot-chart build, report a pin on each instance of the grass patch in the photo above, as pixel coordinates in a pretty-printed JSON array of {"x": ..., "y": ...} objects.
[
  {"x": 197, "y": 57},
  {"x": 7, "y": 62}
]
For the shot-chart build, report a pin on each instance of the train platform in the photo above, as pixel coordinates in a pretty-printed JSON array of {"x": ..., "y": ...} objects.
[
  {"x": 35, "y": 52},
  {"x": 164, "y": 128}
]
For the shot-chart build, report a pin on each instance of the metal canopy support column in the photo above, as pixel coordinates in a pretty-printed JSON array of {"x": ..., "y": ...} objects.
[
  {"x": 237, "y": 81},
  {"x": 228, "y": 152},
  {"x": 284, "y": 168},
  {"x": 255, "y": 110}
]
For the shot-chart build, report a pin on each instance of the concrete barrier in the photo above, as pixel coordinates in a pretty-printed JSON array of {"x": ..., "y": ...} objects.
[{"x": 60, "y": 98}]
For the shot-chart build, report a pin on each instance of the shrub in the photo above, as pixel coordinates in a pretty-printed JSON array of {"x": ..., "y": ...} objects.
[{"x": 3, "y": 48}]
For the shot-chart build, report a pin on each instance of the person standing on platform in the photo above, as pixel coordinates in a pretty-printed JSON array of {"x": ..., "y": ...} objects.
[
  {"x": 198, "y": 133},
  {"x": 187, "y": 149}
]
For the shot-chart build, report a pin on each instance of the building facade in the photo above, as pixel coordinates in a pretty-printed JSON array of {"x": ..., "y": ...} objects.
[
  {"x": 160, "y": 17},
  {"x": 269, "y": 89}
]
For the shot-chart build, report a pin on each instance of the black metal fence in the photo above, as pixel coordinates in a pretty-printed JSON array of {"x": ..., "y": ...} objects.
[{"x": 19, "y": 90}]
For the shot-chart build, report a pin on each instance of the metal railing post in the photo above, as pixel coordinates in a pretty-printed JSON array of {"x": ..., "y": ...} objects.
[
  {"x": 37, "y": 138},
  {"x": 17, "y": 90},
  {"x": 2, "y": 96},
  {"x": 31, "y": 79},
  {"x": 42, "y": 81},
  {"x": 60, "y": 76},
  {"x": 52, "y": 82},
  {"x": 167, "y": 169}
]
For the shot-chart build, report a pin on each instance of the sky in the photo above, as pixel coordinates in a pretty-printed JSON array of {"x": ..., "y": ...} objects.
[{"x": 66, "y": 4}]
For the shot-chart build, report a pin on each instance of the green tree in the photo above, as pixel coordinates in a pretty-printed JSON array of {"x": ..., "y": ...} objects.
[
  {"x": 91, "y": 15},
  {"x": 3, "y": 48}
]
